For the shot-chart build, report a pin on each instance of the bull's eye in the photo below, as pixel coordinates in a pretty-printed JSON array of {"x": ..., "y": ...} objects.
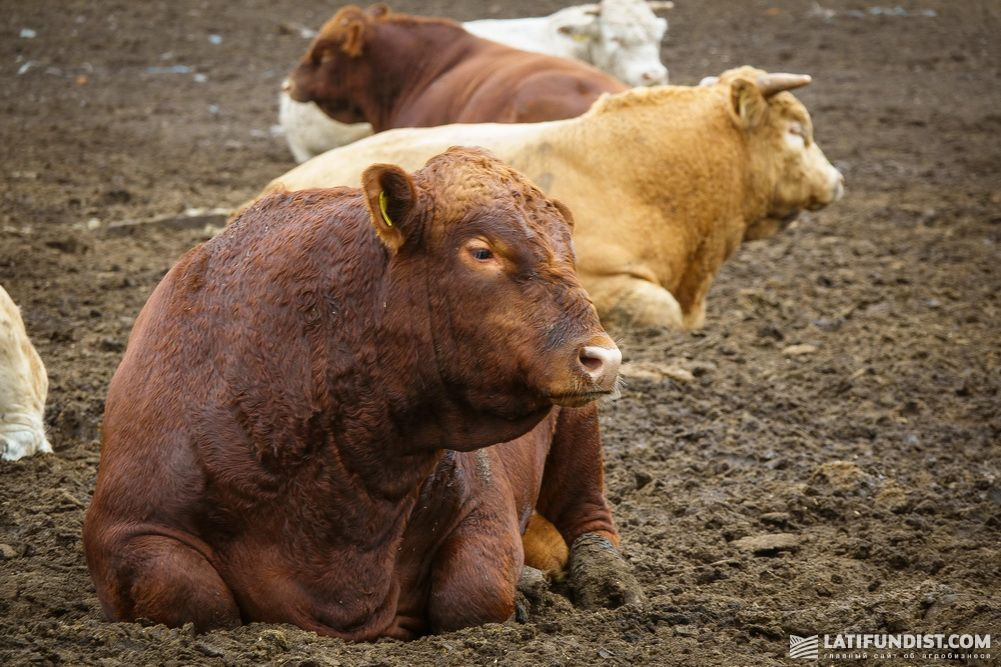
[
  {"x": 482, "y": 254},
  {"x": 796, "y": 137}
]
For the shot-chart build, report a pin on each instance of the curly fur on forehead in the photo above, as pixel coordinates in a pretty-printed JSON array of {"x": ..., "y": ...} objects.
[
  {"x": 786, "y": 105},
  {"x": 337, "y": 24},
  {"x": 743, "y": 72},
  {"x": 462, "y": 178}
]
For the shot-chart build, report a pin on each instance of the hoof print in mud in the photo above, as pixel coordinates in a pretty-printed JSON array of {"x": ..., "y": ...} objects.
[{"x": 600, "y": 576}]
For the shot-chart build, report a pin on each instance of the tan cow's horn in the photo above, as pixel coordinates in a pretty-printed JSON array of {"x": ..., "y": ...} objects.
[
  {"x": 659, "y": 5},
  {"x": 769, "y": 84}
]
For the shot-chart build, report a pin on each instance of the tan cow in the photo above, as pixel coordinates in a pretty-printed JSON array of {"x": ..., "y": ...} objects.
[
  {"x": 664, "y": 182},
  {"x": 23, "y": 386}
]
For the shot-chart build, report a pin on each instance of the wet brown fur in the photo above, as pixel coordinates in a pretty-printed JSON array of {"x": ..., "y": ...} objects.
[{"x": 293, "y": 432}]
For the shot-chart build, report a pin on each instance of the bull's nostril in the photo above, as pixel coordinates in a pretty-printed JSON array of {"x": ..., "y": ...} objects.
[
  {"x": 601, "y": 364},
  {"x": 592, "y": 364}
]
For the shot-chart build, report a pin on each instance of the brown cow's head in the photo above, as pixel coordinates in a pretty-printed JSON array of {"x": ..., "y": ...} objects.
[
  {"x": 512, "y": 329},
  {"x": 332, "y": 68},
  {"x": 785, "y": 159}
]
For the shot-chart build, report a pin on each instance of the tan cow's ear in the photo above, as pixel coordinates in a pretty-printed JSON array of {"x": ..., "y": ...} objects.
[
  {"x": 390, "y": 194},
  {"x": 748, "y": 105}
]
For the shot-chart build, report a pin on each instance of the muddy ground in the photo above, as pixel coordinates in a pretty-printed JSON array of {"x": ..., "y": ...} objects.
[{"x": 844, "y": 392}]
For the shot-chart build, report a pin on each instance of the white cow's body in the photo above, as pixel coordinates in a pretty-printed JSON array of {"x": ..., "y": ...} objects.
[
  {"x": 621, "y": 37},
  {"x": 310, "y": 132},
  {"x": 23, "y": 386}
]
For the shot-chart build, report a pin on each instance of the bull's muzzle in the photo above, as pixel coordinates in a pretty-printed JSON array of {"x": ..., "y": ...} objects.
[
  {"x": 654, "y": 77},
  {"x": 601, "y": 364},
  {"x": 839, "y": 187},
  {"x": 593, "y": 373}
]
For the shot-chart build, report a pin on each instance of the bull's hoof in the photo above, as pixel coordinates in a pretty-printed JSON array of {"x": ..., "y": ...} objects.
[
  {"x": 16, "y": 443},
  {"x": 530, "y": 591},
  {"x": 599, "y": 576},
  {"x": 532, "y": 583}
]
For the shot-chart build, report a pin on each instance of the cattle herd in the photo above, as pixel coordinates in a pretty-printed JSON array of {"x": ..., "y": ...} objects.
[{"x": 368, "y": 406}]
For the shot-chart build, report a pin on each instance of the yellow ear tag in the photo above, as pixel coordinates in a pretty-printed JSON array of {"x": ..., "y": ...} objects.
[
  {"x": 578, "y": 37},
  {"x": 382, "y": 208}
]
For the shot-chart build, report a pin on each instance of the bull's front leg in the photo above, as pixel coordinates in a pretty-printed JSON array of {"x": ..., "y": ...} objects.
[
  {"x": 475, "y": 572},
  {"x": 573, "y": 498},
  {"x": 599, "y": 575},
  {"x": 157, "y": 575}
]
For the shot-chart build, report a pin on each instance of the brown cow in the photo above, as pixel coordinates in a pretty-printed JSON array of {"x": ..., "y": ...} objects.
[
  {"x": 298, "y": 430},
  {"x": 396, "y": 70}
]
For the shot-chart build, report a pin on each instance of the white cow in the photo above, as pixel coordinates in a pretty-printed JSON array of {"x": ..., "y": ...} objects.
[
  {"x": 310, "y": 132},
  {"x": 23, "y": 386},
  {"x": 621, "y": 37}
]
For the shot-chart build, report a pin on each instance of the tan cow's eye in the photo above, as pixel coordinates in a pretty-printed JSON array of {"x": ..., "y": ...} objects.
[{"x": 797, "y": 129}]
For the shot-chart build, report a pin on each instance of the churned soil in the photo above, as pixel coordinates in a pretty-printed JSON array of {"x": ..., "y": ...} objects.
[{"x": 824, "y": 457}]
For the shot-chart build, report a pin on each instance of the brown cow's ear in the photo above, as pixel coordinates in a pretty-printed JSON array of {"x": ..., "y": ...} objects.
[
  {"x": 748, "y": 105},
  {"x": 564, "y": 211},
  {"x": 354, "y": 38},
  {"x": 390, "y": 194}
]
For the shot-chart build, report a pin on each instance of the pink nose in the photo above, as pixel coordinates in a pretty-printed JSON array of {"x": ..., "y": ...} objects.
[
  {"x": 654, "y": 76},
  {"x": 601, "y": 364}
]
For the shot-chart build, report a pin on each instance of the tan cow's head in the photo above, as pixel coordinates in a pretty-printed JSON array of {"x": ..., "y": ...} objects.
[
  {"x": 512, "y": 328},
  {"x": 785, "y": 160}
]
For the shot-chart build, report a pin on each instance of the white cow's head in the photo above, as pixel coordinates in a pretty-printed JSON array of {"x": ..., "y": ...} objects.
[{"x": 622, "y": 37}]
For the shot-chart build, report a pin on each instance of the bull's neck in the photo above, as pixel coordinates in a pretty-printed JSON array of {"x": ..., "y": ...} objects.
[
  {"x": 421, "y": 413},
  {"x": 441, "y": 47},
  {"x": 385, "y": 390}
]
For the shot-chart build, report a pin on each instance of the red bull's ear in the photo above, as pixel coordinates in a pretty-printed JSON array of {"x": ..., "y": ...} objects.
[
  {"x": 564, "y": 211},
  {"x": 748, "y": 105},
  {"x": 390, "y": 194}
]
